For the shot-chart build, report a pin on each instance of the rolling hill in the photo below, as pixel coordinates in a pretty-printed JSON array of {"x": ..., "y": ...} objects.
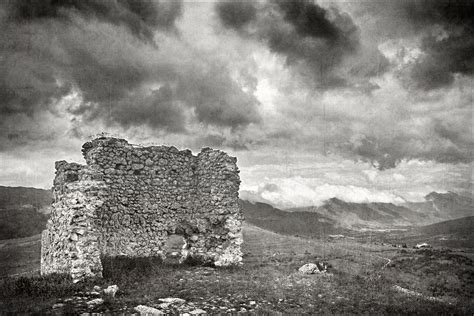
[
  {"x": 21, "y": 197},
  {"x": 23, "y": 211},
  {"x": 289, "y": 223},
  {"x": 444, "y": 206},
  {"x": 460, "y": 226},
  {"x": 451, "y": 234}
]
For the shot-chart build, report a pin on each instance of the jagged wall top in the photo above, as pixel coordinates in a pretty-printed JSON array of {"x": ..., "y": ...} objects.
[{"x": 88, "y": 147}]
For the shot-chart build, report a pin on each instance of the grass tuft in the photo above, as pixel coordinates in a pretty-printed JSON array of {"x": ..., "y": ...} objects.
[
  {"x": 118, "y": 266},
  {"x": 54, "y": 285}
]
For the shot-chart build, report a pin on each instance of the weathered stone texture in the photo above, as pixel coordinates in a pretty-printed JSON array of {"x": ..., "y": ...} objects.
[{"x": 128, "y": 199}]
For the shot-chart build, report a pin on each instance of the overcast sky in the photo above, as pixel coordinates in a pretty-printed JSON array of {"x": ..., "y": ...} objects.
[{"x": 360, "y": 100}]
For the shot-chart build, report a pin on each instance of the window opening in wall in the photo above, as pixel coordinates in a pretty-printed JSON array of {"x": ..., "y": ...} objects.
[{"x": 173, "y": 249}]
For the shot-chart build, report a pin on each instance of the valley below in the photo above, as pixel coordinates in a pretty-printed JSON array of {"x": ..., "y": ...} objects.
[{"x": 375, "y": 269}]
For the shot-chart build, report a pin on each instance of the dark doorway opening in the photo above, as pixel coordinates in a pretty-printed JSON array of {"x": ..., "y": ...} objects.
[{"x": 174, "y": 249}]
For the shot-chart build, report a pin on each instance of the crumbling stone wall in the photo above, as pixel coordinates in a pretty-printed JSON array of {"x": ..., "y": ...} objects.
[{"x": 128, "y": 199}]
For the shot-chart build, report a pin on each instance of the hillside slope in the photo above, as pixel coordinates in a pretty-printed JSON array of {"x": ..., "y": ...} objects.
[
  {"x": 460, "y": 226},
  {"x": 444, "y": 206},
  {"x": 23, "y": 211},
  {"x": 21, "y": 197},
  {"x": 289, "y": 223}
]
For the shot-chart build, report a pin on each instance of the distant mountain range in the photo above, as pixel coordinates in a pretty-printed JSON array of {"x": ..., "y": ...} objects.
[
  {"x": 366, "y": 215},
  {"x": 436, "y": 208},
  {"x": 362, "y": 221},
  {"x": 441, "y": 213},
  {"x": 21, "y": 208},
  {"x": 444, "y": 206}
]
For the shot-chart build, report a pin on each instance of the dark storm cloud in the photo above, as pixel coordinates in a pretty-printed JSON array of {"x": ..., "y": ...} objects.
[
  {"x": 319, "y": 43},
  {"x": 445, "y": 58},
  {"x": 44, "y": 53},
  {"x": 218, "y": 100},
  {"x": 383, "y": 154},
  {"x": 101, "y": 81},
  {"x": 157, "y": 108},
  {"x": 309, "y": 19},
  {"x": 105, "y": 52},
  {"x": 313, "y": 39},
  {"x": 116, "y": 81},
  {"x": 446, "y": 28},
  {"x": 428, "y": 12},
  {"x": 212, "y": 96},
  {"x": 27, "y": 80},
  {"x": 447, "y": 144},
  {"x": 236, "y": 15},
  {"x": 140, "y": 17},
  {"x": 429, "y": 73},
  {"x": 458, "y": 138}
]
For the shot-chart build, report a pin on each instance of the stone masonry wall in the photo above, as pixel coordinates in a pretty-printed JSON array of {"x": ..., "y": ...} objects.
[{"x": 128, "y": 200}]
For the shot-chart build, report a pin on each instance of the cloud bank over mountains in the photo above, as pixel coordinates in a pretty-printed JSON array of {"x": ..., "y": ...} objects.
[{"x": 372, "y": 83}]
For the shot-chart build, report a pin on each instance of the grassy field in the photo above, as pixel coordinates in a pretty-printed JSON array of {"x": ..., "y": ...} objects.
[
  {"x": 362, "y": 278},
  {"x": 20, "y": 256}
]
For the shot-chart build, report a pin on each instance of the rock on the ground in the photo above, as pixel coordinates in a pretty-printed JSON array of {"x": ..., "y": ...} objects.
[
  {"x": 312, "y": 268},
  {"x": 147, "y": 310},
  {"x": 197, "y": 312},
  {"x": 422, "y": 245},
  {"x": 172, "y": 300},
  {"x": 57, "y": 305},
  {"x": 164, "y": 305},
  {"x": 94, "y": 302},
  {"x": 308, "y": 268},
  {"x": 111, "y": 290}
]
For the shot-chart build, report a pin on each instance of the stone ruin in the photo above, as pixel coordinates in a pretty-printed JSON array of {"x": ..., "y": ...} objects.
[{"x": 129, "y": 199}]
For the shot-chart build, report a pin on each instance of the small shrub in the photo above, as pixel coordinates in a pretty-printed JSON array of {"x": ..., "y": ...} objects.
[
  {"x": 18, "y": 223},
  {"x": 54, "y": 285},
  {"x": 195, "y": 261},
  {"x": 114, "y": 267}
]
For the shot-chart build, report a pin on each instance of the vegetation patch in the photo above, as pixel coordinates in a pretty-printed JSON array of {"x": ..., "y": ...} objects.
[
  {"x": 17, "y": 223},
  {"x": 35, "y": 294},
  {"x": 434, "y": 272},
  {"x": 268, "y": 282}
]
